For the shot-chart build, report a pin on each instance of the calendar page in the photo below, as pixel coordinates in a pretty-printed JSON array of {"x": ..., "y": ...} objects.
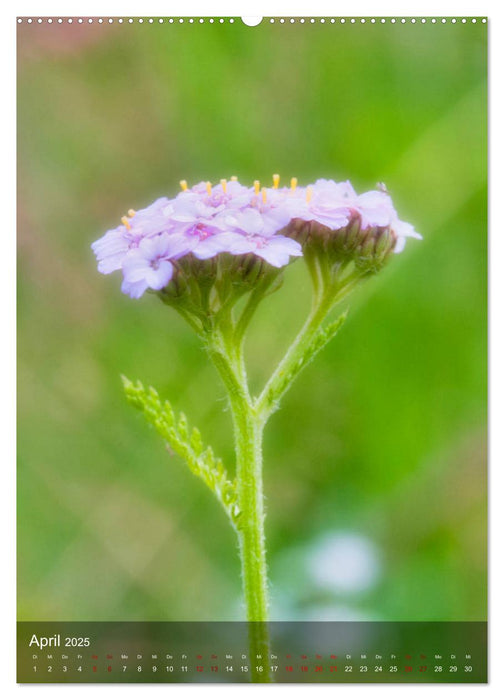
[{"x": 252, "y": 349}]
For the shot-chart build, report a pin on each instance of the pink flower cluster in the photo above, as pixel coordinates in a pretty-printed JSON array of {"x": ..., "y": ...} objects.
[{"x": 204, "y": 221}]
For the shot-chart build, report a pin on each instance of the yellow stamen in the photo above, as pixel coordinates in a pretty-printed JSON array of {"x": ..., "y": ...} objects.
[
  {"x": 263, "y": 192},
  {"x": 233, "y": 178},
  {"x": 183, "y": 185},
  {"x": 257, "y": 186},
  {"x": 293, "y": 183},
  {"x": 131, "y": 213},
  {"x": 126, "y": 223},
  {"x": 223, "y": 182},
  {"x": 309, "y": 193},
  {"x": 209, "y": 187},
  {"x": 276, "y": 181}
]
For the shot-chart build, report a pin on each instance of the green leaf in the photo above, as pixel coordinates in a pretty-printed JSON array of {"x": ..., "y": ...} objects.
[
  {"x": 284, "y": 379},
  {"x": 187, "y": 443},
  {"x": 322, "y": 337}
]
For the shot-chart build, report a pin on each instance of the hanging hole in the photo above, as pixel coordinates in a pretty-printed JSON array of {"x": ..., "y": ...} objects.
[{"x": 251, "y": 21}]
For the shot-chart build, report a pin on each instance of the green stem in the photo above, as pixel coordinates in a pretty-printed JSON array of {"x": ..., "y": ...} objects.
[
  {"x": 248, "y": 432},
  {"x": 248, "y": 429},
  {"x": 225, "y": 348}
]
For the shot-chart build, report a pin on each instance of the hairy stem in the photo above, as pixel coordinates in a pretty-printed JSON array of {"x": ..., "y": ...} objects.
[
  {"x": 250, "y": 500},
  {"x": 224, "y": 345},
  {"x": 251, "y": 538}
]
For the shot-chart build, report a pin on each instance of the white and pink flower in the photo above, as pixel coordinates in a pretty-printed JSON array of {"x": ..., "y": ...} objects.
[{"x": 207, "y": 221}]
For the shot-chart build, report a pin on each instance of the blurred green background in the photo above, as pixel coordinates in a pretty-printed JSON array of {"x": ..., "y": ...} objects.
[{"x": 375, "y": 468}]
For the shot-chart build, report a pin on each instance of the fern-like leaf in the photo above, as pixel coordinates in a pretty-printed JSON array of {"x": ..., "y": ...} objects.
[
  {"x": 187, "y": 443},
  {"x": 284, "y": 379}
]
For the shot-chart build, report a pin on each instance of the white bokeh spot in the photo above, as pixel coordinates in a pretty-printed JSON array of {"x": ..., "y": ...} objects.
[{"x": 344, "y": 562}]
